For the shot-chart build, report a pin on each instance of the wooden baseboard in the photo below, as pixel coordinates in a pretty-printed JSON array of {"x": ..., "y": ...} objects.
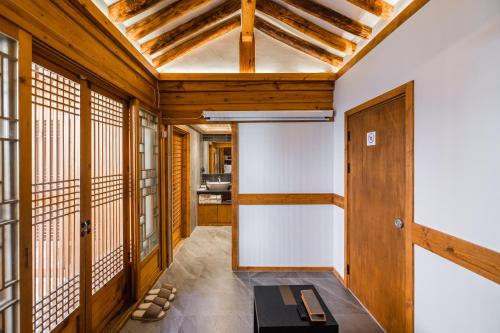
[
  {"x": 339, "y": 277},
  {"x": 475, "y": 258},
  {"x": 283, "y": 269}
]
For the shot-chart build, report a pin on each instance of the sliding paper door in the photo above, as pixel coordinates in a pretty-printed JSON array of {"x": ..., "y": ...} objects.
[
  {"x": 9, "y": 189},
  {"x": 55, "y": 197}
]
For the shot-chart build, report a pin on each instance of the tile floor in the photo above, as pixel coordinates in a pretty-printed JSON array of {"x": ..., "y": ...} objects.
[{"x": 211, "y": 298}]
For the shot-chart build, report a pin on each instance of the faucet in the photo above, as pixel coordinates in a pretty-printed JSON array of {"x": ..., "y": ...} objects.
[{"x": 220, "y": 181}]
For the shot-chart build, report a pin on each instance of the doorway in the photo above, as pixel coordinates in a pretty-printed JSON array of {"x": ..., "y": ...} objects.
[
  {"x": 379, "y": 195},
  {"x": 181, "y": 187}
]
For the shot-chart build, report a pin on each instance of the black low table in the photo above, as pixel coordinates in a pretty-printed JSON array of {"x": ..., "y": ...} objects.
[{"x": 272, "y": 315}]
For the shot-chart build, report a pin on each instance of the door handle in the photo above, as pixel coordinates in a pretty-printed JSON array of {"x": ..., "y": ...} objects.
[{"x": 399, "y": 223}]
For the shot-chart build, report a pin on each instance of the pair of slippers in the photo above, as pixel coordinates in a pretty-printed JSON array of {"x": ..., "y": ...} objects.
[{"x": 155, "y": 304}]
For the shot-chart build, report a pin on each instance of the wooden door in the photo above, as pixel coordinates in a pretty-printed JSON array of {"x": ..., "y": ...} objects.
[
  {"x": 376, "y": 171},
  {"x": 177, "y": 186},
  {"x": 109, "y": 205}
]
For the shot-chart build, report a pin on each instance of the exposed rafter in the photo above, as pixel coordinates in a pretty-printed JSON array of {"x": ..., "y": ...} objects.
[
  {"x": 198, "y": 40},
  {"x": 308, "y": 28},
  {"x": 162, "y": 17},
  {"x": 247, "y": 19},
  {"x": 125, "y": 9},
  {"x": 376, "y": 7},
  {"x": 297, "y": 43},
  {"x": 191, "y": 27},
  {"x": 329, "y": 15}
]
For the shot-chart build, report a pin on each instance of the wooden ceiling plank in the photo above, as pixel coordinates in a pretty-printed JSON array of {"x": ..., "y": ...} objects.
[
  {"x": 162, "y": 17},
  {"x": 191, "y": 27},
  {"x": 125, "y": 9},
  {"x": 329, "y": 15},
  {"x": 297, "y": 43},
  {"x": 198, "y": 40},
  {"x": 306, "y": 27},
  {"x": 376, "y": 7},
  {"x": 247, "y": 19}
]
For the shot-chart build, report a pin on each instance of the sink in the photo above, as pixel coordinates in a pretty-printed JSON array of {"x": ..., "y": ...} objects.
[{"x": 218, "y": 186}]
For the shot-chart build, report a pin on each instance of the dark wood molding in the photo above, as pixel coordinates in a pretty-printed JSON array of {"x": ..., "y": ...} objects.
[
  {"x": 286, "y": 199},
  {"x": 298, "y": 43},
  {"x": 329, "y": 15},
  {"x": 475, "y": 258},
  {"x": 307, "y": 27}
]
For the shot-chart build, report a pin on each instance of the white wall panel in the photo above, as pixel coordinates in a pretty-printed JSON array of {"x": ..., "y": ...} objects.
[
  {"x": 461, "y": 301},
  {"x": 286, "y": 158},
  {"x": 338, "y": 240},
  {"x": 286, "y": 235},
  {"x": 450, "y": 48}
]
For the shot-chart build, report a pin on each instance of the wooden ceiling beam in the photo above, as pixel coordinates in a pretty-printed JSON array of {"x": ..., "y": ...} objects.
[
  {"x": 162, "y": 17},
  {"x": 297, "y": 43},
  {"x": 247, "y": 19},
  {"x": 198, "y": 40},
  {"x": 125, "y": 9},
  {"x": 376, "y": 7},
  {"x": 306, "y": 27},
  {"x": 329, "y": 15},
  {"x": 191, "y": 27}
]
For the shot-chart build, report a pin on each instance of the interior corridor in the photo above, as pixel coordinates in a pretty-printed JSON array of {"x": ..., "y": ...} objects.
[{"x": 211, "y": 298}]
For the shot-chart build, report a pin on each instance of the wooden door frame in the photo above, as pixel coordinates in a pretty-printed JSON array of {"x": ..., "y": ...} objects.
[
  {"x": 405, "y": 90},
  {"x": 186, "y": 185}
]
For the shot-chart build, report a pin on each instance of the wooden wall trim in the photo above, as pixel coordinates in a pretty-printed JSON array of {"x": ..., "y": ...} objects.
[
  {"x": 405, "y": 14},
  {"x": 286, "y": 199},
  {"x": 475, "y": 258},
  {"x": 65, "y": 27},
  {"x": 339, "y": 277},
  {"x": 338, "y": 200},
  {"x": 283, "y": 269}
]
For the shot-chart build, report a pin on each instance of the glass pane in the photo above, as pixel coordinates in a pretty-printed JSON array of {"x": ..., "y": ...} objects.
[
  {"x": 56, "y": 197},
  {"x": 148, "y": 153},
  {"x": 9, "y": 195},
  {"x": 107, "y": 189}
]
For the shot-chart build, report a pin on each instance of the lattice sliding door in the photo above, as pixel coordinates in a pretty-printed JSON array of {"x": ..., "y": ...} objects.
[
  {"x": 9, "y": 187},
  {"x": 149, "y": 203},
  {"x": 108, "y": 213},
  {"x": 55, "y": 197}
]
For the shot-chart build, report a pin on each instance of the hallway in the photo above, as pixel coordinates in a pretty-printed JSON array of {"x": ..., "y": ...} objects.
[{"x": 211, "y": 298}]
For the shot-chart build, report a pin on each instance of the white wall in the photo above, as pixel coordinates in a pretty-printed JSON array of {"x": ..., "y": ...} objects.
[
  {"x": 451, "y": 49},
  {"x": 286, "y": 158}
]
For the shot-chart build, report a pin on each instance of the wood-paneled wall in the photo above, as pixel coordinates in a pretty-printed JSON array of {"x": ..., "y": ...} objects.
[
  {"x": 78, "y": 31},
  {"x": 183, "y": 101}
]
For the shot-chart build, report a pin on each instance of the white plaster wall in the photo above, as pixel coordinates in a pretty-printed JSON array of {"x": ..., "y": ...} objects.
[
  {"x": 287, "y": 236},
  {"x": 338, "y": 240},
  {"x": 462, "y": 300},
  {"x": 450, "y": 48},
  {"x": 286, "y": 158}
]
